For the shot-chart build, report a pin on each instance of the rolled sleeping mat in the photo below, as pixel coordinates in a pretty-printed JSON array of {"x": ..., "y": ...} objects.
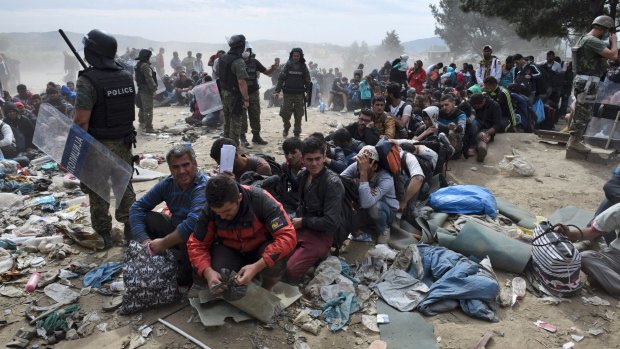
[
  {"x": 572, "y": 215},
  {"x": 518, "y": 215},
  {"x": 401, "y": 238},
  {"x": 480, "y": 241}
]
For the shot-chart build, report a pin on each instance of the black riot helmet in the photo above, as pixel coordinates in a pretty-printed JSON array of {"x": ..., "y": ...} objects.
[
  {"x": 144, "y": 55},
  {"x": 100, "y": 49},
  {"x": 236, "y": 41}
]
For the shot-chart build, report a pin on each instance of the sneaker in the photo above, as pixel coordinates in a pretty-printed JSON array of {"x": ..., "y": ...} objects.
[
  {"x": 442, "y": 137},
  {"x": 362, "y": 236},
  {"x": 384, "y": 237}
]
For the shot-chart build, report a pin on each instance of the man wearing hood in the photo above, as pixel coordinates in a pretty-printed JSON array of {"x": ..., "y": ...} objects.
[
  {"x": 233, "y": 80},
  {"x": 416, "y": 76},
  {"x": 147, "y": 87},
  {"x": 105, "y": 98},
  {"x": 23, "y": 127},
  {"x": 398, "y": 74},
  {"x": 294, "y": 80}
]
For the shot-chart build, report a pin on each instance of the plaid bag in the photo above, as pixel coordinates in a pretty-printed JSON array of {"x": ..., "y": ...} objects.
[
  {"x": 556, "y": 262},
  {"x": 150, "y": 281}
]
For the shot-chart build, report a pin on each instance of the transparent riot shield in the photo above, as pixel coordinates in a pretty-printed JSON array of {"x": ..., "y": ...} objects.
[
  {"x": 208, "y": 97},
  {"x": 604, "y": 129},
  {"x": 79, "y": 153}
]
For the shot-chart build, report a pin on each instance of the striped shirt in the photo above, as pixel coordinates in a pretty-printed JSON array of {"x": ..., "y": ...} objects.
[{"x": 185, "y": 205}]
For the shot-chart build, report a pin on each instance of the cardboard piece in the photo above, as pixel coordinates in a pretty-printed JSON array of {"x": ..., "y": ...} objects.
[
  {"x": 147, "y": 175},
  {"x": 406, "y": 329}
]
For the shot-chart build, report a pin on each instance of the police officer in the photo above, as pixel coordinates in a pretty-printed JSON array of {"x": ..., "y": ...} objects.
[
  {"x": 589, "y": 56},
  {"x": 253, "y": 67},
  {"x": 294, "y": 80},
  {"x": 105, "y": 109},
  {"x": 147, "y": 87},
  {"x": 235, "y": 97}
]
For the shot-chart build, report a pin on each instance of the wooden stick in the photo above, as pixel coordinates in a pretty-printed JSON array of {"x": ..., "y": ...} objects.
[
  {"x": 184, "y": 334},
  {"x": 484, "y": 340}
]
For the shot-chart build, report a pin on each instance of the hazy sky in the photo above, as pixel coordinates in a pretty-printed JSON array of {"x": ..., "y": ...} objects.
[{"x": 336, "y": 21}]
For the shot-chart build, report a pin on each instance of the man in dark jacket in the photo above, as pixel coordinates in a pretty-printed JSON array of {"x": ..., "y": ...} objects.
[
  {"x": 488, "y": 121},
  {"x": 320, "y": 212},
  {"x": 363, "y": 129},
  {"x": 242, "y": 229}
]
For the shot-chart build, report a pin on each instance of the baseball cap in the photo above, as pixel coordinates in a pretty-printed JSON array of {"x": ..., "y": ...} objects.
[
  {"x": 371, "y": 151},
  {"x": 487, "y": 47}
]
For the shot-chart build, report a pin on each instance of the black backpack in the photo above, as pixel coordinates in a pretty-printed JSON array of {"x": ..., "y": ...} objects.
[{"x": 276, "y": 169}]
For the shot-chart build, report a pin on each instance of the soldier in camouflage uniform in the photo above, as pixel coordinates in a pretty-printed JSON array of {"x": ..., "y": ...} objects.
[
  {"x": 105, "y": 109},
  {"x": 589, "y": 64},
  {"x": 253, "y": 67},
  {"x": 147, "y": 87},
  {"x": 234, "y": 86},
  {"x": 294, "y": 80}
]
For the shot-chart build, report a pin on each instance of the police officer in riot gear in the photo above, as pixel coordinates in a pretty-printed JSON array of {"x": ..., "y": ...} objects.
[
  {"x": 146, "y": 79},
  {"x": 235, "y": 98},
  {"x": 294, "y": 80},
  {"x": 589, "y": 63},
  {"x": 253, "y": 68},
  {"x": 105, "y": 109}
]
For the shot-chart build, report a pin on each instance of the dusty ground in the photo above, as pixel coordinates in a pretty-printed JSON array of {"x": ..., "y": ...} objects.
[{"x": 557, "y": 183}]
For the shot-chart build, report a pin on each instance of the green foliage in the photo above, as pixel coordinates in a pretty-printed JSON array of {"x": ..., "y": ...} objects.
[
  {"x": 390, "y": 46},
  {"x": 542, "y": 18},
  {"x": 356, "y": 54}
]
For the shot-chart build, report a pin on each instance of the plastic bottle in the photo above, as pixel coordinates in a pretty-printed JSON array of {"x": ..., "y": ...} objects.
[
  {"x": 33, "y": 281},
  {"x": 117, "y": 286},
  {"x": 78, "y": 201},
  {"x": 39, "y": 161},
  {"x": 518, "y": 287}
]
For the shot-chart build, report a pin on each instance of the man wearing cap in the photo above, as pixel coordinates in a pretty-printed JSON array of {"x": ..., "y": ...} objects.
[
  {"x": 488, "y": 66},
  {"x": 589, "y": 64},
  {"x": 105, "y": 108},
  {"x": 377, "y": 196},
  {"x": 235, "y": 98},
  {"x": 294, "y": 80},
  {"x": 147, "y": 87}
]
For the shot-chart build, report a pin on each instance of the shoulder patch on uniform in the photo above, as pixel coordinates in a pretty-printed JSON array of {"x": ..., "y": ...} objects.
[{"x": 277, "y": 223}]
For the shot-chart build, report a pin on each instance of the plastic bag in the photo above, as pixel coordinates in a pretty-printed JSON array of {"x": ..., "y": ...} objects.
[
  {"x": 539, "y": 109},
  {"x": 464, "y": 199},
  {"x": 515, "y": 165}
]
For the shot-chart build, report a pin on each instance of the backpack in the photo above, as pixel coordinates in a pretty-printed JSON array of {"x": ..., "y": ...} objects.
[
  {"x": 276, "y": 169},
  {"x": 556, "y": 262}
]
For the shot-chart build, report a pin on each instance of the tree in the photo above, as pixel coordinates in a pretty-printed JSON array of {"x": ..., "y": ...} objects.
[
  {"x": 390, "y": 46},
  {"x": 469, "y": 32},
  {"x": 543, "y": 18}
]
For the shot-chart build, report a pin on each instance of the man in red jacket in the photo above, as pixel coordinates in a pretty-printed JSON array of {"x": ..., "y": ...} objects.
[{"x": 243, "y": 229}]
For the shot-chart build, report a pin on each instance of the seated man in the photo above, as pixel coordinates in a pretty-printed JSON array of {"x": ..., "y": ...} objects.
[
  {"x": 604, "y": 267},
  {"x": 55, "y": 99},
  {"x": 23, "y": 95},
  {"x": 242, "y": 229},
  {"x": 243, "y": 163},
  {"x": 339, "y": 90},
  {"x": 385, "y": 124},
  {"x": 181, "y": 88},
  {"x": 502, "y": 97},
  {"x": 363, "y": 129},
  {"x": 23, "y": 127},
  {"x": 335, "y": 158},
  {"x": 320, "y": 212},
  {"x": 342, "y": 139},
  {"x": 25, "y": 112},
  {"x": 452, "y": 121},
  {"x": 8, "y": 150},
  {"x": 398, "y": 109},
  {"x": 488, "y": 120},
  {"x": 291, "y": 168},
  {"x": 184, "y": 194},
  {"x": 377, "y": 196}
]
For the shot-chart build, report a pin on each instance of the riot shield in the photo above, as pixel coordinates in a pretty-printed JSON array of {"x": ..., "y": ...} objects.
[
  {"x": 80, "y": 154},
  {"x": 603, "y": 129},
  {"x": 208, "y": 97}
]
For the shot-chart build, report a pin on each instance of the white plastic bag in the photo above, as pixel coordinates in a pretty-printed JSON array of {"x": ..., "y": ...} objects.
[{"x": 514, "y": 165}]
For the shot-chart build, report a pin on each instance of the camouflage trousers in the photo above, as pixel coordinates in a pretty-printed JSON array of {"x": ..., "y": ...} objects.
[
  {"x": 293, "y": 104},
  {"x": 253, "y": 113},
  {"x": 145, "y": 114},
  {"x": 100, "y": 217},
  {"x": 233, "y": 115},
  {"x": 585, "y": 89}
]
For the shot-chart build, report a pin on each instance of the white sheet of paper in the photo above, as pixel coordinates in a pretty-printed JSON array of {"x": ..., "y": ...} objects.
[{"x": 227, "y": 157}]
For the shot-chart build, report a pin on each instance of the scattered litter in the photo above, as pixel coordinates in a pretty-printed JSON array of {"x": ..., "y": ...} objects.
[
  {"x": 383, "y": 251},
  {"x": 546, "y": 326},
  {"x": 102, "y": 326},
  {"x": 370, "y": 322},
  {"x": 60, "y": 293},
  {"x": 145, "y": 330},
  {"x": 383, "y": 319},
  {"x": 516, "y": 166},
  {"x": 595, "y": 331},
  {"x": 101, "y": 274},
  {"x": 299, "y": 344},
  {"x": 610, "y": 315},
  {"x": 11, "y": 291},
  {"x": 568, "y": 345},
  {"x": 596, "y": 300},
  {"x": 576, "y": 338},
  {"x": 553, "y": 300}
]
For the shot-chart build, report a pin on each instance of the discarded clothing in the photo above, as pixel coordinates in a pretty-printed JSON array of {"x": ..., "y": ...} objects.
[
  {"x": 101, "y": 274},
  {"x": 337, "y": 311},
  {"x": 401, "y": 290},
  {"x": 454, "y": 279}
]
